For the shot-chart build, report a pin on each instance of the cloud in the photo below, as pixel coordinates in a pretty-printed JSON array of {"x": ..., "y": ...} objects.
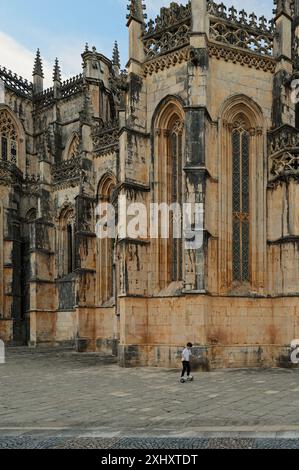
[
  {"x": 19, "y": 59},
  {"x": 16, "y": 57}
]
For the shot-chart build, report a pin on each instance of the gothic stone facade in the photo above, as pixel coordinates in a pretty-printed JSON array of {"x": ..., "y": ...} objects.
[{"x": 205, "y": 112}]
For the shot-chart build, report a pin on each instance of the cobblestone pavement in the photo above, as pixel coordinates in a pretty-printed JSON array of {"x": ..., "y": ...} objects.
[
  {"x": 27, "y": 442},
  {"x": 57, "y": 399}
]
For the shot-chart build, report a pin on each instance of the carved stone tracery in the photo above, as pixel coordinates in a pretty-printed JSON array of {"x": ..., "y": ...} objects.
[
  {"x": 283, "y": 149},
  {"x": 8, "y": 138},
  {"x": 105, "y": 135}
]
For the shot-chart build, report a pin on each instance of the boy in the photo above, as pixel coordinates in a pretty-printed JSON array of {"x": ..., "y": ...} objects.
[{"x": 186, "y": 363}]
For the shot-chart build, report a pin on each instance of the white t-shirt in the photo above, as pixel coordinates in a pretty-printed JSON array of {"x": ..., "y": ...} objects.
[{"x": 186, "y": 355}]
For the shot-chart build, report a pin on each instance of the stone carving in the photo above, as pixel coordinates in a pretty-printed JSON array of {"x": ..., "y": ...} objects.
[
  {"x": 284, "y": 6},
  {"x": 8, "y": 138},
  {"x": 72, "y": 86},
  {"x": 105, "y": 135},
  {"x": 16, "y": 83},
  {"x": 171, "y": 30},
  {"x": 242, "y": 38},
  {"x": 9, "y": 174},
  {"x": 74, "y": 147},
  {"x": 283, "y": 148},
  {"x": 166, "y": 61},
  {"x": 168, "y": 41},
  {"x": 287, "y": 163},
  {"x": 242, "y": 18},
  {"x": 136, "y": 10},
  {"x": 31, "y": 184},
  {"x": 169, "y": 17},
  {"x": 68, "y": 170},
  {"x": 244, "y": 58},
  {"x": 284, "y": 138},
  {"x": 44, "y": 99}
]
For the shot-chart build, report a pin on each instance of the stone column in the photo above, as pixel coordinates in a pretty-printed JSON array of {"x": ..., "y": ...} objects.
[
  {"x": 43, "y": 299},
  {"x": 296, "y": 56},
  {"x": 195, "y": 132},
  {"x": 284, "y": 67},
  {"x": 85, "y": 240}
]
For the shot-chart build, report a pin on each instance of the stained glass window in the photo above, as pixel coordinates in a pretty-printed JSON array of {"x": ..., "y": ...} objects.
[
  {"x": 241, "y": 205},
  {"x": 8, "y": 138}
]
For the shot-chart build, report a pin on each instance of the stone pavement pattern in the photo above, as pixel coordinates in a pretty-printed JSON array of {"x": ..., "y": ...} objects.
[{"x": 61, "y": 393}]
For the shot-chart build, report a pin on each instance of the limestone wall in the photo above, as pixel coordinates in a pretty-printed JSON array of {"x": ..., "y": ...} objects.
[{"x": 226, "y": 332}]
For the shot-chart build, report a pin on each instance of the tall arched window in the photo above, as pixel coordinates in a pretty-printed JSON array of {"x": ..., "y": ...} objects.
[
  {"x": 66, "y": 263},
  {"x": 8, "y": 138},
  {"x": 168, "y": 176},
  {"x": 241, "y": 202},
  {"x": 106, "y": 247},
  {"x": 176, "y": 168},
  {"x": 242, "y": 256}
]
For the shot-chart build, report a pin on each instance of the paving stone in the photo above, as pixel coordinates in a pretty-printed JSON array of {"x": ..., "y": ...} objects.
[{"x": 52, "y": 390}]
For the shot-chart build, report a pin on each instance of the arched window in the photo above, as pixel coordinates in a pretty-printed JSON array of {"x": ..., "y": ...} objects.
[
  {"x": 106, "y": 268},
  {"x": 175, "y": 164},
  {"x": 168, "y": 176},
  {"x": 8, "y": 138},
  {"x": 241, "y": 202},
  {"x": 66, "y": 261},
  {"x": 72, "y": 147},
  {"x": 242, "y": 253}
]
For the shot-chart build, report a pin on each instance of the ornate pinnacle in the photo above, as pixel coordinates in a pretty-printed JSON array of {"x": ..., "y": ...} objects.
[
  {"x": 38, "y": 65},
  {"x": 115, "y": 56},
  {"x": 57, "y": 72},
  {"x": 283, "y": 6},
  {"x": 136, "y": 9}
]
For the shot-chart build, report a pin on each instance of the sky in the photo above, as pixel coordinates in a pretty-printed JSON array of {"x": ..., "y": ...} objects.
[{"x": 60, "y": 28}]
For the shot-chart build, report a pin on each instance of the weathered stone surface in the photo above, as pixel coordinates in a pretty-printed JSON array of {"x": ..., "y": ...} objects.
[{"x": 197, "y": 117}]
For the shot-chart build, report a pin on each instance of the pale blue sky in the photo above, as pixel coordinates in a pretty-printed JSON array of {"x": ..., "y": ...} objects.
[{"x": 61, "y": 28}]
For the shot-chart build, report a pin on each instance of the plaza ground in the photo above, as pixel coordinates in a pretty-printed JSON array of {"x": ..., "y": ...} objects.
[{"x": 59, "y": 398}]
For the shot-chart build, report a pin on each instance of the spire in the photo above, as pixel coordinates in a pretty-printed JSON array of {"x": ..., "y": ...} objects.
[
  {"x": 38, "y": 65},
  {"x": 38, "y": 74},
  {"x": 136, "y": 9},
  {"x": 57, "y": 72},
  {"x": 115, "y": 56}
]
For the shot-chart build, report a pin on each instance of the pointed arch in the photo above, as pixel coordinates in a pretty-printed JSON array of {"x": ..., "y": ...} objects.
[
  {"x": 66, "y": 241},
  {"x": 106, "y": 186},
  {"x": 31, "y": 215},
  {"x": 106, "y": 268},
  {"x": 242, "y": 104},
  {"x": 242, "y": 249},
  {"x": 168, "y": 123},
  {"x": 12, "y": 138},
  {"x": 72, "y": 146}
]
